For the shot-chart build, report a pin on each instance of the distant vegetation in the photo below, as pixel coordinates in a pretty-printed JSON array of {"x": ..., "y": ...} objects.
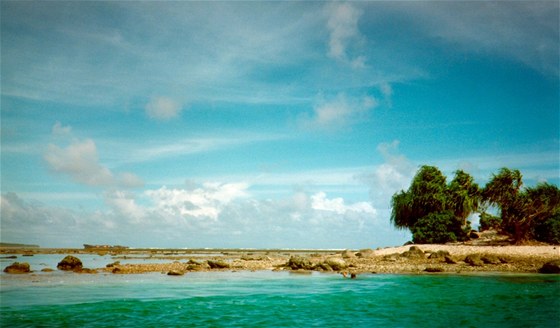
[
  {"x": 12, "y": 245},
  {"x": 436, "y": 211}
]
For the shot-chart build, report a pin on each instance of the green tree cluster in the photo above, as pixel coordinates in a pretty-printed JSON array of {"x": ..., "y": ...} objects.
[
  {"x": 436, "y": 211},
  {"x": 525, "y": 213}
]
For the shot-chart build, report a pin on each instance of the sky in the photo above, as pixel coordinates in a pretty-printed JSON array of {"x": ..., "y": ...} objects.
[{"x": 262, "y": 124}]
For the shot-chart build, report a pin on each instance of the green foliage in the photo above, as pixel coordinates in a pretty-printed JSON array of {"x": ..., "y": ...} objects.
[
  {"x": 433, "y": 210},
  {"x": 437, "y": 228},
  {"x": 548, "y": 230},
  {"x": 521, "y": 210},
  {"x": 489, "y": 221}
]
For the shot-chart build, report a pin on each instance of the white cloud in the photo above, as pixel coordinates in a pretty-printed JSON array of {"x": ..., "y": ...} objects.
[
  {"x": 343, "y": 27},
  {"x": 59, "y": 130},
  {"x": 339, "y": 112},
  {"x": 206, "y": 201},
  {"x": 163, "y": 108},
  {"x": 338, "y": 206},
  {"x": 80, "y": 161}
]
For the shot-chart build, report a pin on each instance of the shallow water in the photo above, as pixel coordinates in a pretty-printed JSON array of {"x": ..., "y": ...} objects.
[{"x": 279, "y": 299}]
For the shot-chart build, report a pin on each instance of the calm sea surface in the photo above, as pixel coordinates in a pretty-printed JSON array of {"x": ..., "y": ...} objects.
[{"x": 278, "y": 299}]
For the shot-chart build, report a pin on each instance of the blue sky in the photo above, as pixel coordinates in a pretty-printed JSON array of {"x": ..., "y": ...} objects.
[{"x": 262, "y": 124}]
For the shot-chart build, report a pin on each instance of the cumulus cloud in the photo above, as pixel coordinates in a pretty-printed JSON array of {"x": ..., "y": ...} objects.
[
  {"x": 338, "y": 206},
  {"x": 342, "y": 24},
  {"x": 80, "y": 161},
  {"x": 163, "y": 108},
  {"x": 340, "y": 111},
  {"x": 206, "y": 201}
]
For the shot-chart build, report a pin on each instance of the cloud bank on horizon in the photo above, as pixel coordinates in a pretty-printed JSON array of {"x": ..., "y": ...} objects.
[{"x": 262, "y": 124}]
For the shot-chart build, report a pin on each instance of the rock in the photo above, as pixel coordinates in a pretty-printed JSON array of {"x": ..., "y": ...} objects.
[
  {"x": 298, "y": 262},
  {"x": 450, "y": 260},
  {"x": 347, "y": 254},
  {"x": 474, "y": 234},
  {"x": 70, "y": 263},
  {"x": 47, "y": 270},
  {"x": 391, "y": 257},
  {"x": 175, "y": 273},
  {"x": 336, "y": 263},
  {"x": 86, "y": 270},
  {"x": 17, "y": 267},
  {"x": 551, "y": 267},
  {"x": 219, "y": 264},
  {"x": 116, "y": 270},
  {"x": 414, "y": 252},
  {"x": 9, "y": 257},
  {"x": 323, "y": 267},
  {"x": 474, "y": 260},
  {"x": 110, "y": 265},
  {"x": 491, "y": 259},
  {"x": 366, "y": 253},
  {"x": 434, "y": 269},
  {"x": 439, "y": 255}
]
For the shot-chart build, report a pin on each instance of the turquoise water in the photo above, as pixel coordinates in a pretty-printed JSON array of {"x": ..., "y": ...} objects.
[{"x": 279, "y": 299}]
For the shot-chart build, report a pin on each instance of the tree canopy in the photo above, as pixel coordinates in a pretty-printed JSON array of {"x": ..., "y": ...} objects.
[{"x": 437, "y": 211}]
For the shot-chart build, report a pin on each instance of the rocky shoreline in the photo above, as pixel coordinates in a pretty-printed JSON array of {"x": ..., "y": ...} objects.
[{"x": 412, "y": 259}]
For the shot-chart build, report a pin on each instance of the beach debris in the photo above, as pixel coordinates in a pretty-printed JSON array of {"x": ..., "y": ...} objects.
[
  {"x": 551, "y": 267},
  {"x": 17, "y": 267},
  {"x": 219, "y": 264},
  {"x": 70, "y": 263}
]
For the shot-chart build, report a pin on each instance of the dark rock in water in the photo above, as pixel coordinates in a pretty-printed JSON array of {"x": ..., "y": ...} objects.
[
  {"x": 17, "y": 267},
  {"x": 298, "y": 262},
  {"x": 323, "y": 267},
  {"x": 491, "y": 259},
  {"x": 474, "y": 260},
  {"x": 551, "y": 267},
  {"x": 47, "y": 270},
  {"x": 414, "y": 252},
  {"x": 110, "y": 265},
  {"x": 70, "y": 263},
  {"x": 175, "y": 273},
  {"x": 435, "y": 269},
  {"x": 439, "y": 255},
  {"x": 217, "y": 264},
  {"x": 86, "y": 270},
  {"x": 450, "y": 260},
  {"x": 336, "y": 263},
  {"x": 9, "y": 257},
  {"x": 353, "y": 276}
]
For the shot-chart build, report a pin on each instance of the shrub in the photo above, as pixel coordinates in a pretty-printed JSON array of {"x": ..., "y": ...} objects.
[
  {"x": 437, "y": 228},
  {"x": 488, "y": 221},
  {"x": 549, "y": 230}
]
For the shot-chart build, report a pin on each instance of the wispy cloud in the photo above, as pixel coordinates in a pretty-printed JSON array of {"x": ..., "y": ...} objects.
[
  {"x": 339, "y": 112},
  {"x": 342, "y": 23},
  {"x": 163, "y": 108}
]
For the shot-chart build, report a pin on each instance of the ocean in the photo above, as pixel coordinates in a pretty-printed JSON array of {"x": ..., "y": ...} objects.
[{"x": 278, "y": 299}]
